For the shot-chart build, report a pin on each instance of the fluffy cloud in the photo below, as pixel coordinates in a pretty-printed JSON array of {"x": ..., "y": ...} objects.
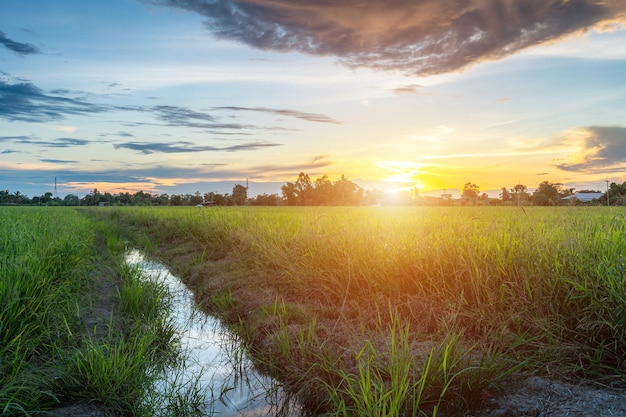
[
  {"x": 413, "y": 36},
  {"x": 602, "y": 148}
]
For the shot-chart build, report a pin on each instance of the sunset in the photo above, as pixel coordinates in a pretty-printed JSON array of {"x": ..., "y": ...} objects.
[
  {"x": 312, "y": 208},
  {"x": 171, "y": 96}
]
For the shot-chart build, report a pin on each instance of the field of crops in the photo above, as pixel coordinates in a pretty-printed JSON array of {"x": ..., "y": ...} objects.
[
  {"x": 78, "y": 328},
  {"x": 405, "y": 311},
  {"x": 357, "y": 311}
]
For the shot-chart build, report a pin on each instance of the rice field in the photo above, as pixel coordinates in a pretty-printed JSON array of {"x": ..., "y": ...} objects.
[
  {"x": 368, "y": 311},
  {"x": 404, "y": 311},
  {"x": 60, "y": 344}
]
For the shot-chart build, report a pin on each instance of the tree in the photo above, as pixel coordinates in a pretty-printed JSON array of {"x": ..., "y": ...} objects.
[
  {"x": 519, "y": 194},
  {"x": 547, "y": 194},
  {"x": 176, "y": 200},
  {"x": 240, "y": 195},
  {"x": 505, "y": 196},
  {"x": 288, "y": 192},
  {"x": 264, "y": 200},
  {"x": 617, "y": 194},
  {"x": 141, "y": 199},
  {"x": 470, "y": 192},
  {"x": 323, "y": 191},
  {"x": 71, "y": 200},
  {"x": 195, "y": 199},
  {"x": 346, "y": 192},
  {"x": 304, "y": 189}
]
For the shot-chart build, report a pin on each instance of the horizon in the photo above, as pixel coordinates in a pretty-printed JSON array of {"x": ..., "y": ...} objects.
[{"x": 174, "y": 97}]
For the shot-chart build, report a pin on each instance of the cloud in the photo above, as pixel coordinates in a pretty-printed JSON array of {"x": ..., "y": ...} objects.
[
  {"x": 406, "y": 89},
  {"x": 311, "y": 117},
  {"x": 182, "y": 147},
  {"x": 58, "y": 161},
  {"x": 184, "y": 117},
  {"x": 602, "y": 148},
  {"x": 23, "y": 101},
  {"x": 413, "y": 36},
  {"x": 56, "y": 143},
  {"x": 175, "y": 115},
  {"x": 20, "y": 100},
  {"x": 17, "y": 47}
]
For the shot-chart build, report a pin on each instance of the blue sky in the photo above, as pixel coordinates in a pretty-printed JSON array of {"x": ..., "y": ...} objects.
[{"x": 170, "y": 96}]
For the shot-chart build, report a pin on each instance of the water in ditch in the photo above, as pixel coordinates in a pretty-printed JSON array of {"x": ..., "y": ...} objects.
[{"x": 214, "y": 360}]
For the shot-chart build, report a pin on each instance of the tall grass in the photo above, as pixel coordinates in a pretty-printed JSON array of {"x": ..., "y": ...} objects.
[
  {"x": 543, "y": 287},
  {"x": 43, "y": 258},
  {"x": 49, "y": 259}
]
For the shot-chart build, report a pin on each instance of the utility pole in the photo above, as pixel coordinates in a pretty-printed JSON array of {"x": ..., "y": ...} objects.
[{"x": 607, "y": 192}]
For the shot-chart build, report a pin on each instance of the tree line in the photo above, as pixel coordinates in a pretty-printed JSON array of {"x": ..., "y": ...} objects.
[{"x": 323, "y": 191}]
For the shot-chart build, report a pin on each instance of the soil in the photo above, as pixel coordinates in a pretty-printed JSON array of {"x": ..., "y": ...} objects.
[
  {"x": 537, "y": 397},
  {"x": 529, "y": 396}
]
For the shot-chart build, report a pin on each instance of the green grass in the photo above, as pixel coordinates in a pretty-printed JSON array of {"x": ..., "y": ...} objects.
[
  {"x": 44, "y": 256},
  {"x": 49, "y": 258},
  {"x": 539, "y": 289}
]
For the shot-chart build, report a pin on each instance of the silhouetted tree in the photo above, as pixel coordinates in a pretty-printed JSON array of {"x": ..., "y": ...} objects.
[
  {"x": 239, "y": 195},
  {"x": 470, "y": 192},
  {"x": 505, "y": 196},
  {"x": 547, "y": 194},
  {"x": 304, "y": 190},
  {"x": 264, "y": 200},
  {"x": 519, "y": 194},
  {"x": 288, "y": 192}
]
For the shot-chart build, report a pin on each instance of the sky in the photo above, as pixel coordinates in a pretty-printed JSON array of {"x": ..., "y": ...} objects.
[{"x": 179, "y": 96}]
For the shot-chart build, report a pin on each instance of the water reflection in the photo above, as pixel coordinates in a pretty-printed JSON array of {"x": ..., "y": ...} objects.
[{"x": 215, "y": 360}]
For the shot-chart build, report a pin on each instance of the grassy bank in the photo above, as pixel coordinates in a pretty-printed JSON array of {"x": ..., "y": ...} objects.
[
  {"x": 350, "y": 306},
  {"x": 68, "y": 334}
]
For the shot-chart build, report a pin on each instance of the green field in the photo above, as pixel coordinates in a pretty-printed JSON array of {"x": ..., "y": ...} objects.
[
  {"x": 405, "y": 309},
  {"x": 77, "y": 326},
  {"x": 367, "y": 311}
]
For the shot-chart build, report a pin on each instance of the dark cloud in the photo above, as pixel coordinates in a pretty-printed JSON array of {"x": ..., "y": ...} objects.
[
  {"x": 180, "y": 115},
  {"x": 184, "y": 117},
  {"x": 58, "y": 161},
  {"x": 20, "y": 48},
  {"x": 603, "y": 149},
  {"x": 183, "y": 147},
  {"x": 55, "y": 143},
  {"x": 15, "y": 138},
  {"x": 413, "y": 36},
  {"x": 311, "y": 117},
  {"x": 23, "y": 101},
  {"x": 20, "y": 100}
]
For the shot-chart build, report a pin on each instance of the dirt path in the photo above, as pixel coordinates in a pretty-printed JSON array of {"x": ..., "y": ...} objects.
[
  {"x": 534, "y": 396},
  {"x": 97, "y": 320}
]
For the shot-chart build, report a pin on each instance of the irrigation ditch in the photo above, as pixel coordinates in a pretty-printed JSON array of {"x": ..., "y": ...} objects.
[{"x": 214, "y": 361}]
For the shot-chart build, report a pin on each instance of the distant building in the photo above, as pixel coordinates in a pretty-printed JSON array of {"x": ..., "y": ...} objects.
[{"x": 583, "y": 197}]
